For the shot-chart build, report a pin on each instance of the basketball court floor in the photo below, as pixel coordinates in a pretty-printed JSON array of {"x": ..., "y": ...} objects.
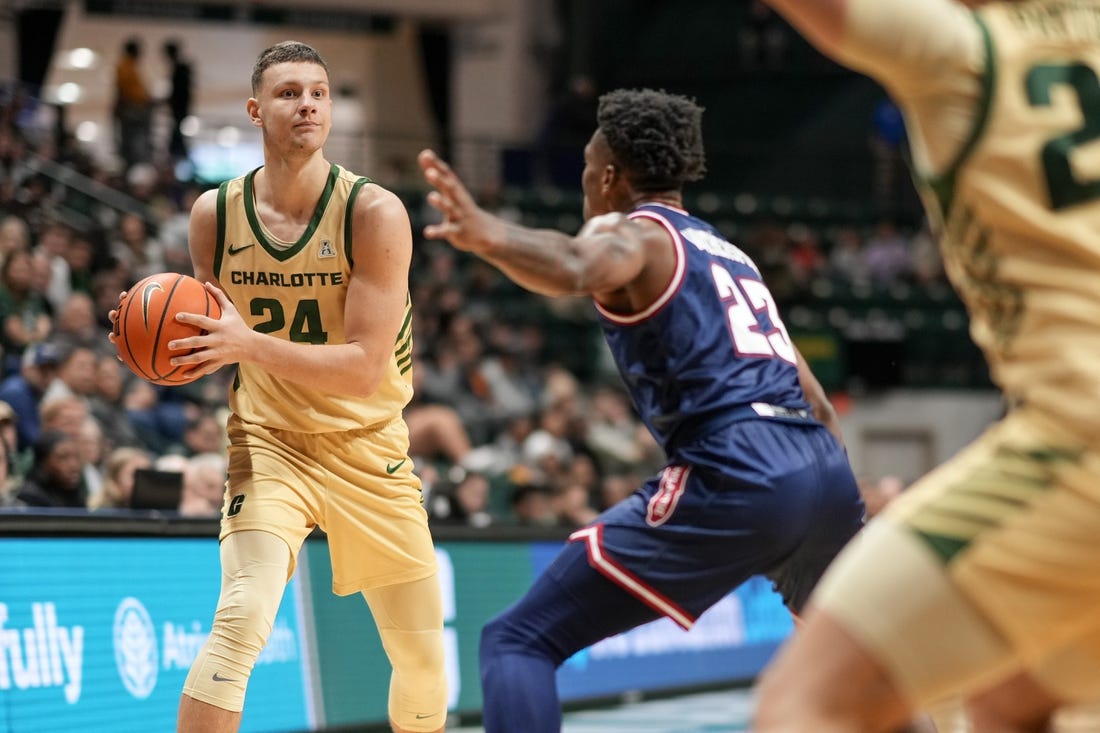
[
  {"x": 724, "y": 711},
  {"x": 730, "y": 711}
]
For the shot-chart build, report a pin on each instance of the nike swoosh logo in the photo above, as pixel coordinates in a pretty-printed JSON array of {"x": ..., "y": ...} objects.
[
  {"x": 218, "y": 678},
  {"x": 234, "y": 250},
  {"x": 421, "y": 717},
  {"x": 146, "y": 296},
  {"x": 399, "y": 464}
]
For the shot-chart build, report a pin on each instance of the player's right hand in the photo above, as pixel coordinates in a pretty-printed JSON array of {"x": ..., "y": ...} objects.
[{"x": 465, "y": 225}]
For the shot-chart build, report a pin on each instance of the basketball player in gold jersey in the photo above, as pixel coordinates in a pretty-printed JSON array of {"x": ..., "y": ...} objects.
[
  {"x": 313, "y": 261},
  {"x": 982, "y": 580}
]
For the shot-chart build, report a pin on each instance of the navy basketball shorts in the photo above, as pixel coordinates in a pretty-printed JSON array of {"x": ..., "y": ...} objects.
[{"x": 761, "y": 497}]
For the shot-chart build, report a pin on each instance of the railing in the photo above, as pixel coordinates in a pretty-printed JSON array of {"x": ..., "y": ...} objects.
[{"x": 73, "y": 181}]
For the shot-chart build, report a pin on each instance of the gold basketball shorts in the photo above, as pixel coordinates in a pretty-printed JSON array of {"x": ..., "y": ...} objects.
[
  {"x": 988, "y": 566},
  {"x": 357, "y": 486}
]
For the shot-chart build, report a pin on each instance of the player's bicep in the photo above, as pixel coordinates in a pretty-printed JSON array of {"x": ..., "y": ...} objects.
[
  {"x": 907, "y": 44},
  {"x": 202, "y": 236},
  {"x": 379, "y": 285}
]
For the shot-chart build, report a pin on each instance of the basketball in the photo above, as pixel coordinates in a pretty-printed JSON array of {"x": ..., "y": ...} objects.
[{"x": 147, "y": 323}]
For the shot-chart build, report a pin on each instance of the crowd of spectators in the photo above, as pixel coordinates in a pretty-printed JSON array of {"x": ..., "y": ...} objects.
[{"x": 519, "y": 417}]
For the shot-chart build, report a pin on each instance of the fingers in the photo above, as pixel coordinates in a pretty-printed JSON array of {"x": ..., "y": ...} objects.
[
  {"x": 195, "y": 357},
  {"x": 440, "y": 231},
  {"x": 464, "y": 224},
  {"x": 204, "y": 323},
  {"x": 439, "y": 174},
  {"x": 197, "y": 365},
  {"x": 443, "y": 205},
  {"x": 183, "y": 344},
  {"x": 218, "y": 293},
  {"x": 427, "y": 158}
]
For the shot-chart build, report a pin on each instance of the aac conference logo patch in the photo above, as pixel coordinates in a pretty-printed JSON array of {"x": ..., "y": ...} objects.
[{"x": 135, "y": 648}]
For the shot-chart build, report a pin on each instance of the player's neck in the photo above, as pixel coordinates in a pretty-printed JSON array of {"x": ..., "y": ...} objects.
[
  {"x": 284, "y": 181},
  {"x": 668, "y": 198}
]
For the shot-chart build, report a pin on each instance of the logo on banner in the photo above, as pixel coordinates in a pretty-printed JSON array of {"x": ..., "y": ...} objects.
[
  {"x": 136, "y": 654},
  {"x": 45, "y": 654}
]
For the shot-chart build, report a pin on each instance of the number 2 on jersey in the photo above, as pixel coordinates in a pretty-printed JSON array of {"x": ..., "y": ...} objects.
[
  {"x": 1065, "y": 187},
  {"x": 744, "y": 299}
]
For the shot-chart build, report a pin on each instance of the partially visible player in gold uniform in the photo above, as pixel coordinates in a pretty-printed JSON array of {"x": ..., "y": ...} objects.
[
  {"x": 314, "y": 263},
  {"x": 983, "y": 580}
]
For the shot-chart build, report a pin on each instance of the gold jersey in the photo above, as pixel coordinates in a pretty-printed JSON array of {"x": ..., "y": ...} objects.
[
  {"x": 297, "y": 293},
  {"x": 1002, "y": 105}
]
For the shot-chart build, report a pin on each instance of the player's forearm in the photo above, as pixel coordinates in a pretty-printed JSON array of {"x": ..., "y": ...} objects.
[
  {"x": 826, "y": 415},
  {"x": 347, "y": 369},
  {"x": 541, "y": 260},
  {"x": 818, "y": 400}
]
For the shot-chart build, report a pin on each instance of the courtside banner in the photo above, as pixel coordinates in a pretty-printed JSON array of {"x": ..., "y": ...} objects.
[
  {"x": 729, "y": 644},
  {"x": 98, "y": 634}
]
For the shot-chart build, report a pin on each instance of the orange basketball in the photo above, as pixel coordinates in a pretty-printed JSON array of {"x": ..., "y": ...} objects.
[{"x": 147, "y": 322}]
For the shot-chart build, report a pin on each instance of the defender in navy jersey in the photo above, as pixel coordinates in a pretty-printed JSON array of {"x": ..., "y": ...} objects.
[{"x": 757, "y": 481}]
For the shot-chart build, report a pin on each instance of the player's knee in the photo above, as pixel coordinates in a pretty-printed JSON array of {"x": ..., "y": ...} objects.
[
  {"x": 498, "y": 636},
  {"x": 505, "y": 634},
  {"x": 418, "y": 689},
  {"x": 244, "y": 620},
  {"x": 417, "y": 653},
  {"x": 220, "y": 673}
]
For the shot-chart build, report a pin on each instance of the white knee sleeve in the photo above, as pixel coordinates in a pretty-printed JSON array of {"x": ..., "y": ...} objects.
[{"x": 254, "y": 568}]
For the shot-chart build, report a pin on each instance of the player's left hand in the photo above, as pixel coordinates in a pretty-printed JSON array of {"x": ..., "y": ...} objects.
[
  {"x": 112, "y": 316},
  {"x": 465, "y": 225}
]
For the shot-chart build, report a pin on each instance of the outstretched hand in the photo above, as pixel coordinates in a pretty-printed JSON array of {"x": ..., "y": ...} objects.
[{"x": 465, "y": 225}]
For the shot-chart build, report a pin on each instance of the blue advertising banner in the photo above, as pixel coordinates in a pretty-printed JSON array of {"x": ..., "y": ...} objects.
[{"x": 98, "y": 634}]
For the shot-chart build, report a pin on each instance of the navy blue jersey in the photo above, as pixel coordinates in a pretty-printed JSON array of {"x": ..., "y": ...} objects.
[
  {"x": 754, "y": 485},
  {"x": 711, "y": 346}
]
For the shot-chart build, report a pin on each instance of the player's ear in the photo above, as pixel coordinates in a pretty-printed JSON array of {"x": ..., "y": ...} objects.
[
  {"x": 614, "y": 179},
  {"x": 253, "y": 109},
  {"x": 611, "y": 174}
]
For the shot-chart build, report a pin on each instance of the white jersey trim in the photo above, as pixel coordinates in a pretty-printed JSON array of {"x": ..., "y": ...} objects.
[{"x": 670, "y": 289}]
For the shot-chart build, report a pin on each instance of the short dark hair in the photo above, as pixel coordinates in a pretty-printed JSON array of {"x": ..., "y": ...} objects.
[
  {"x": 655, "y": 136},
  {"x": 46, "y": 443},
  {"x": 281, "y": 53}
]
